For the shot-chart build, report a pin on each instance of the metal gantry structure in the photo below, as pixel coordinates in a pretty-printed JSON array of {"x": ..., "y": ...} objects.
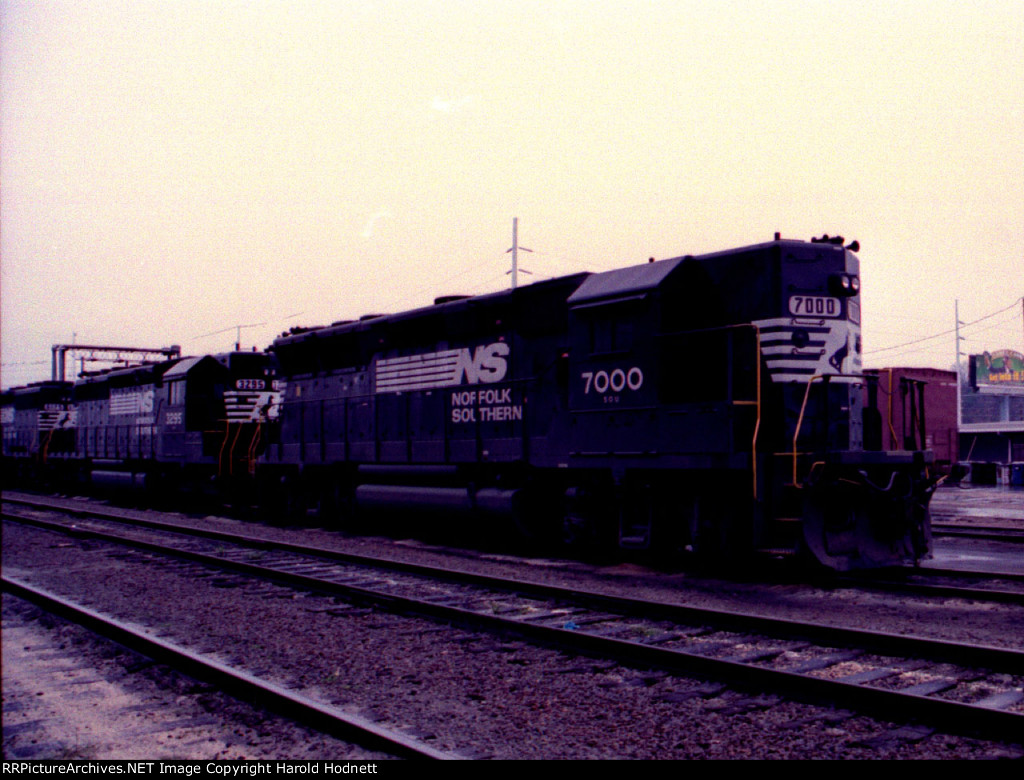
[{"x": 106, "y": 354}]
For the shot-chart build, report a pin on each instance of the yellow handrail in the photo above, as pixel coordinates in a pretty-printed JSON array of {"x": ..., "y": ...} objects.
[
  {"x": 803, "y": 408},
  {"x": 757, "y": 422},
  {"x": 757, "y": 400},
  {"x": 253, "y": 444},
  {"x": 231, "y": 452}
]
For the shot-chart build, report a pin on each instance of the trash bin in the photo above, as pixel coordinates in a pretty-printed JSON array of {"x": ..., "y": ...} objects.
[{"x": 1017, "y": 474}]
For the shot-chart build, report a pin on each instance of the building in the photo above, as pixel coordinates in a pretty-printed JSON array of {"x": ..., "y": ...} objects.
[
  {"x": 992, "y": 418},
  {"x": 902, "y": 411}
]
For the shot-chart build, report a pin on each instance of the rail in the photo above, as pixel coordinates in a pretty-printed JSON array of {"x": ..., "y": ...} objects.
[
  {"x": 263, "y": 693},
  {"x": 991, "y": 717}
]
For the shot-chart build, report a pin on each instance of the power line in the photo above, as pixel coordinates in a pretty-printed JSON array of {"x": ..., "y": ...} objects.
[
  {"x": 1009, "y": 322},
  {"x": 945, "y": 332}
]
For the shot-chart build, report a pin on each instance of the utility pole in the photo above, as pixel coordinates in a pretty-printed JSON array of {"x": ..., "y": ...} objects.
[
  {"x": 959, "y": 371},
  {"x": 238, "y": 333},
  {"x": 515, "y": 252}
]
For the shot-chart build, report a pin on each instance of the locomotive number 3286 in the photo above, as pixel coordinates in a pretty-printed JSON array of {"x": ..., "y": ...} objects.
[{"x": 614, "y": 381}]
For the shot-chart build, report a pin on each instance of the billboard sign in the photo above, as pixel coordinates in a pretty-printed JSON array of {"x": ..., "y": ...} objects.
[{"x": 1003, "y": 367}]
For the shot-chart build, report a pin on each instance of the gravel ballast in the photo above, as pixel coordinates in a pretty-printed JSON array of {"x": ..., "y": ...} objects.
[{"x": 485, "y": 696}]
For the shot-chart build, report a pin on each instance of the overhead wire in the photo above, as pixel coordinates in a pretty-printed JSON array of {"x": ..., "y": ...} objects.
[
  {"x": 1013, "y": 305},
  {"x": 1009, "y": 321}
]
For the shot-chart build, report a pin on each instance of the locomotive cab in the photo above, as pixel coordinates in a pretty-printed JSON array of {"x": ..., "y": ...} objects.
[
  {"x": 221, "y": 409},
  {"x": 857, "y": 507}
]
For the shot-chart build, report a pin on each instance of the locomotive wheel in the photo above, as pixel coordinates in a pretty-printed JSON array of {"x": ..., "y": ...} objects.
[{"x": 282, "y": 501}]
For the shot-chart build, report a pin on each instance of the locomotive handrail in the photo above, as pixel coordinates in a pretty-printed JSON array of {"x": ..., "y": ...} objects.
[
  {"x": 231, "y": 451},
  {"x": 803, "y": 408},
  {"x": 757, "y": 400},
  {"x": 253, "y": 446},
  {"x": 892, "y": 428},
  {"x": 46, "y": 445},
  {"x": 757, "y": 423},
  {"x": 223, "y": 444}
]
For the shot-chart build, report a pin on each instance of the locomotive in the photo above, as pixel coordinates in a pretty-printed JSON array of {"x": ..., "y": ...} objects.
[
  {"x": 197, "y": 422},
  {"x": 713, "y": 404},
  {"x": 38, "y": 426}
]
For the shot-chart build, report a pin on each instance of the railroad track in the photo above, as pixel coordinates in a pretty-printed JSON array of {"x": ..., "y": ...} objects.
[
  {"x": 992, "y": 533},
  {"x": 1006, "y": 588},
  {"x": 979, "y": 586},
  {"x": 954, "y": 686},
  {"x": 248, "y": 687}
]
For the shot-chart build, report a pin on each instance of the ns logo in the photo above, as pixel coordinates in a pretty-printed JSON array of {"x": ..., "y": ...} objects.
[{"x": 487, "y": 364}]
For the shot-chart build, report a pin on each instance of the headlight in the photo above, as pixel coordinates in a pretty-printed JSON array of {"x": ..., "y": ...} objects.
[{"x": 844, "y": 285}]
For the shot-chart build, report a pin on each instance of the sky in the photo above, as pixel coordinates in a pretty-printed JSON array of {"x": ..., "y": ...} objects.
[{"x": 191, "y": 171}]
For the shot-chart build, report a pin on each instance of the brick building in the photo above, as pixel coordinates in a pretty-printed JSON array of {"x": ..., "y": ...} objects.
[{"x": 900, "y": 412}]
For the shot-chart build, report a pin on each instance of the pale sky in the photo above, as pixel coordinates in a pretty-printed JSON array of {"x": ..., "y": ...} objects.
[{"x": 175, "y": 168}]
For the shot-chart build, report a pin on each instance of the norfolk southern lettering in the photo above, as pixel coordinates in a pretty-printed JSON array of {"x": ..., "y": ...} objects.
[
  {"x": 445, "y": 368},
  {"x": 470, "y": 406}
]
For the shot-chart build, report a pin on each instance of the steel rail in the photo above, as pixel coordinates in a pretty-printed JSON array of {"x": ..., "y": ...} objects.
[
  {"x": 958, "y": 717},
  {"x": 263, "y": 693},
  {"x": 1005, "y": 659},
  {"x": 886, "y": 582},
  {"x": 108, "y": 514},
  {"x": 988, "y": 533},
  {"x": 938, "y": 571}
]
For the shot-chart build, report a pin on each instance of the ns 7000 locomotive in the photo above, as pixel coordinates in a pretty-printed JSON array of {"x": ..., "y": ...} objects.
[{"x": 711, "y": 403}]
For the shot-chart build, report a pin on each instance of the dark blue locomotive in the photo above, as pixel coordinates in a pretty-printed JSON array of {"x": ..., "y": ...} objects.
[
  {"x": 193, "y": 423},
  {"x": 38, "y": 430},
  {"x": 189, "y": 422},
  {"x": 712, "y": 403}
]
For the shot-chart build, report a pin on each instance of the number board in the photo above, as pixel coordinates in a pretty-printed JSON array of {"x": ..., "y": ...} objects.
[{"x": 815, "y": 306}]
